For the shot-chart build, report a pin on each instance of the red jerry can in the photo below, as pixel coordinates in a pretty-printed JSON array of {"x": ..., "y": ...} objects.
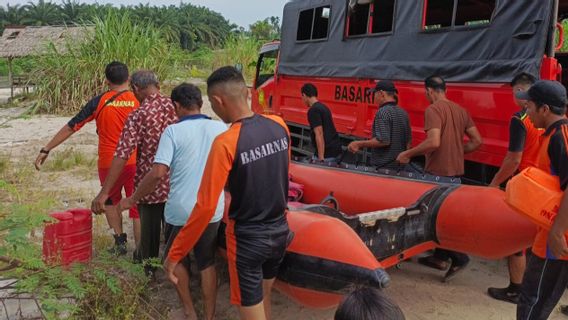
[{"x": 70, "y": 239}]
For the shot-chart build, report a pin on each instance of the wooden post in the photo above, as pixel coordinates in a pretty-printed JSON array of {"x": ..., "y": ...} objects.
[{"x": 10, "y": 78}]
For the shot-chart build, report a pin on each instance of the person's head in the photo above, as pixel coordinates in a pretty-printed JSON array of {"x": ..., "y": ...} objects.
[
  {"x": 367, "y": 304},
  {"x": 435, "y": 88},
  {"x": 144, "y": 83},
  {"x": 309, "y": 94},
  {"x": 228, "y": 94},
  {"x": 521, "y": 83},
  {"x": 187, "y": 99},
  {"x": 385, "y": 91},
  {"x": 116, "y": 73},
  {"x": 546, "y": 102}
]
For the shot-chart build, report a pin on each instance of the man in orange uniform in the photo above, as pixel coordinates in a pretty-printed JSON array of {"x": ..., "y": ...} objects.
[
  {"x": 110, "y": 111},
  {"x": 546, "y": 275},
  {"x": 524, "y": 143},
  {"x": 252, "y": 158}
]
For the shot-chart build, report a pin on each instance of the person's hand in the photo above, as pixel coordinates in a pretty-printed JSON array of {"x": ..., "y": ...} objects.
[
  {"x": 98, "y": 204},
  {"x": 403, "y": 158},
  {"x": 125, "y": 204},
  {"x": 557, "y": 244},
  {"x": 169, "y": 267},
  {"x": 353, "y": 147},
  {"x": 41, "y": 157}
]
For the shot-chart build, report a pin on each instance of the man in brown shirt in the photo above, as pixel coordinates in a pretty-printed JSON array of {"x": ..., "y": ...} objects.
[{"x": 445, "y": 124}]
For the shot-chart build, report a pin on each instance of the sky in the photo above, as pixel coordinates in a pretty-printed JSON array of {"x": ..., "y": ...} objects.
[{"x": 241, "y": 12}]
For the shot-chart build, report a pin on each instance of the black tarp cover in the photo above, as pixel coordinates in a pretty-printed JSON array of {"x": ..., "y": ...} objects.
[{"x": 514, "y": 42}]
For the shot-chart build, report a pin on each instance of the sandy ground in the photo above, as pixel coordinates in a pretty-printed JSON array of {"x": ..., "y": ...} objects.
[{"x": 418, "y": 290}]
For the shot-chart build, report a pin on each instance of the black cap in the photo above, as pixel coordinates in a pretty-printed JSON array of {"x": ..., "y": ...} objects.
[
  {"x": 385, "y": 85},
  {"x": 547, "y": 92}
]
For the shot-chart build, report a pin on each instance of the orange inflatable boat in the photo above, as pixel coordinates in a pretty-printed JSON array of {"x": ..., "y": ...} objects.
[
  {"x": 383, "y": 220},
  {"x": 421, "y": 215},
  {"x": 325, "y": 260}
]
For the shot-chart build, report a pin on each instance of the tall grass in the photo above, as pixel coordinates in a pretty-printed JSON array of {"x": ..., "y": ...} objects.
[
  {"x": 65, "y": 81},
  {"x": 239, "y": 49}
]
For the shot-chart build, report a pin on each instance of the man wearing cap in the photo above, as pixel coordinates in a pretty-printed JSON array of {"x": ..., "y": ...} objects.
[
  {"x": 391, "y": 129},
  {"x": 445, "y": 123},
  {"x": 546, "y": 275},
  {"x": 324, "y": 136}
]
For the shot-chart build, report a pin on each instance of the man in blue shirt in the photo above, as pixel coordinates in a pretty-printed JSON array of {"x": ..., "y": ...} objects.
[{"x": 183, "y": 151}]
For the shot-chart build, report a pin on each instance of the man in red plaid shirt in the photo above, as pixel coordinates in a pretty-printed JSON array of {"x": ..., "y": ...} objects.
[{"x": 142, "y": 132}]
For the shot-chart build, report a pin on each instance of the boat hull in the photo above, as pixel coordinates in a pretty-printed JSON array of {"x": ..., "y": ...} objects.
[
  {"x": 324, "y": 260},
  {"x": 469, "y": 219}
]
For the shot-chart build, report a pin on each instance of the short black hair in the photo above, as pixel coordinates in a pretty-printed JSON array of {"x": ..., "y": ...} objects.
[
  {"x": 188, "y": 96},
  {"x": 523, "y": 78},
  {"x": 116, "y": 72},
  {"x": 436, "y": 83},
  {"x": 223, "y": 75},
  {"x": 310, "y": 90},
  {"x": 367, "y": 304}
]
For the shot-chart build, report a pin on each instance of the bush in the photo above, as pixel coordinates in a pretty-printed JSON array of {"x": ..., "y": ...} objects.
[{"x": 66, "y": 80}]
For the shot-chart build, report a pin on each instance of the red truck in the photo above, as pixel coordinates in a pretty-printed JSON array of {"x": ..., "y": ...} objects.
[{"x": 344, "y": 47}]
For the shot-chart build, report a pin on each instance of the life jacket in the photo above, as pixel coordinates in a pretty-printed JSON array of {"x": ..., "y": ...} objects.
[{"x": 535, "y": 194}]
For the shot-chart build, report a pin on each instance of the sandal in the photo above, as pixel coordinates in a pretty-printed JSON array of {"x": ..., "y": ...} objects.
[
  {"x": 432, "y": 262},
  {"x": 453, "y": 271}
]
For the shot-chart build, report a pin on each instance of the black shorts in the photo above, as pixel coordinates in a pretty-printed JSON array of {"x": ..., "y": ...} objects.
[
  {"x": 204, "y": 249},
  {"x": 544, "y": 282},
  {"x": 253, "y": 257}
]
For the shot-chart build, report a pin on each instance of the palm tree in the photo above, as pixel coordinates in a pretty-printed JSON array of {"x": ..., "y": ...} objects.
[
  {"x": 168, "y": 20},
  {"x": 41, "y": 14},
  {"x": 202, "y": 26},
  {"x": 142, "y": 12},
  {"x": 71, "y": 11},
  {"x": 92, "y": 12},
  {"x": 13, "y": 15}
]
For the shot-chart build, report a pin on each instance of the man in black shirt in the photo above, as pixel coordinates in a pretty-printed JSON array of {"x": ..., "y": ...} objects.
[
  {"x": 324, "y": 136},
  {"x": 391, "y": 129}
]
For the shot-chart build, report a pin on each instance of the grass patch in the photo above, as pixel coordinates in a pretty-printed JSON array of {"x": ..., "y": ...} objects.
[
  {"x": 106, "y": 288},
  {"x": 69, "y": 159},
  {"x": 240, "y": 49}
]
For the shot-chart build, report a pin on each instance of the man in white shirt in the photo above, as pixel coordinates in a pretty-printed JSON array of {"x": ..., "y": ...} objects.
[{"x": 183, "y": 151}]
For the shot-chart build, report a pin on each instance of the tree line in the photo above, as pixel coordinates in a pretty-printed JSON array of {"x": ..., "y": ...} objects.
[{"x": 189, "y": 25}]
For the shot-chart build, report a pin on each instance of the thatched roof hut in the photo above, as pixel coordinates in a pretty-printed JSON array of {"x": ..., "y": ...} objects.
[{"x": 22, "y": 41}]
